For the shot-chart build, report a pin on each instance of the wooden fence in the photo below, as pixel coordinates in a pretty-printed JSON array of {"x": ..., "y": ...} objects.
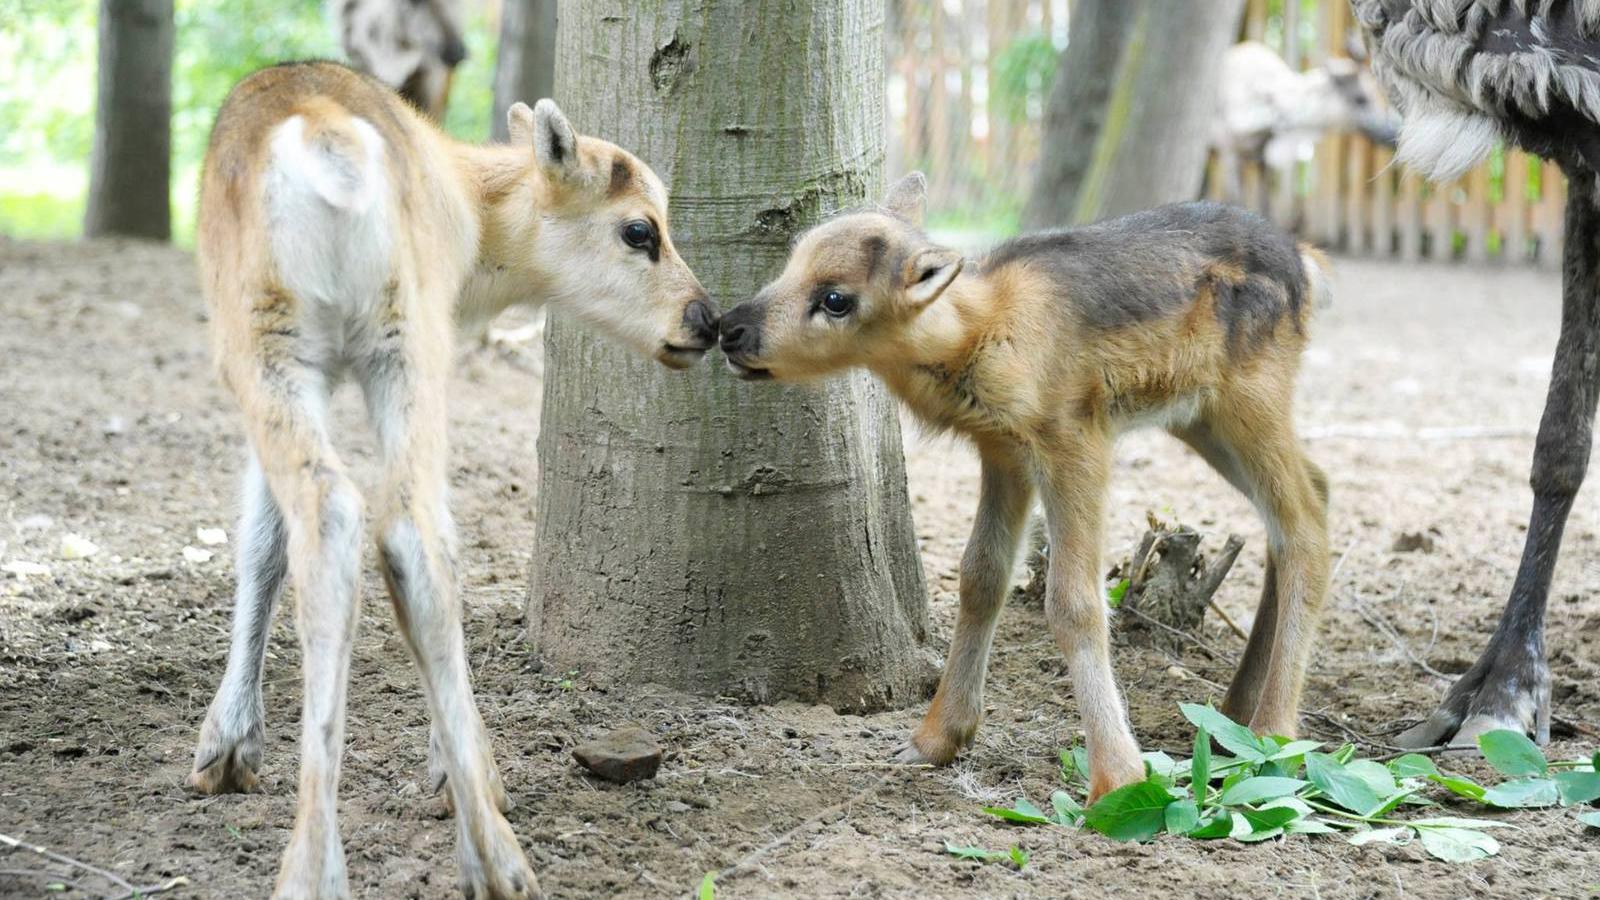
[{"x": 966, "y": 96}]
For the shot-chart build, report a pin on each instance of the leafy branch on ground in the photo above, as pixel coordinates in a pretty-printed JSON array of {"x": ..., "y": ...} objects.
[{"x": 1270, "y": 787}]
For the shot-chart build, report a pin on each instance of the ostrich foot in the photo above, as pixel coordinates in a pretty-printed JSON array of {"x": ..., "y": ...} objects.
[{"x": 1510, "y": 691}]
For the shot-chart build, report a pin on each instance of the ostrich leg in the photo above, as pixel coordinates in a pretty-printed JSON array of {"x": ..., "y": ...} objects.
[{"x": 1509, "y": 685}]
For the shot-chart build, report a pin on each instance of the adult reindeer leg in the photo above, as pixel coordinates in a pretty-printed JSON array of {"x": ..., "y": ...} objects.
[{"x": 1509, "y": 685}]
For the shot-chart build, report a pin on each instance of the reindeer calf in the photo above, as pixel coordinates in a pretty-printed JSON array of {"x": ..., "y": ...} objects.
[
  {"x": 1191, "y": 317},
  {"x": 341, "y": 233}
]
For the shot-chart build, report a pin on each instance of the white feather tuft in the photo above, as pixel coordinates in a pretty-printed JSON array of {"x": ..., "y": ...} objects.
[{"x": 1444, "y": 143}]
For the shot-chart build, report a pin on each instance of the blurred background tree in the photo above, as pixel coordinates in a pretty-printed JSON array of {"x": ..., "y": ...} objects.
[
  {"x": 526, "y": 69},
  {"x": 47, "y": 62},
  {"x": 1128, "y": 125},
  {"x": 130, "y": 165}
]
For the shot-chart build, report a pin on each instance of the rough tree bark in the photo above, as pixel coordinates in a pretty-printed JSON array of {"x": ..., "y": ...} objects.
[
  {"x": 525, "y": 68},
  {"x": 129, "y": 168},
  {"x": 693, "y": 530},
  {"x": 1126, "y": 124}
]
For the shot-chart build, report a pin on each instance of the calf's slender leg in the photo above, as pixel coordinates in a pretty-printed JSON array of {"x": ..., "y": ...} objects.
[
  {"x": 229, "y": 750},
  {"x": 1072, "y": 479},
  {"x": 957, "y": 709},
  {"x": 405, "y": 389}
]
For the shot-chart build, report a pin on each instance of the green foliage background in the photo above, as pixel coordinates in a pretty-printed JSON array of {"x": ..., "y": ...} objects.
[{"x": 47, "y": 94}]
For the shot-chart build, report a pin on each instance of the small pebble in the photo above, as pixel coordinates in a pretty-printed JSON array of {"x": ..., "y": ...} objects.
[{"x": 628, "y": 754}]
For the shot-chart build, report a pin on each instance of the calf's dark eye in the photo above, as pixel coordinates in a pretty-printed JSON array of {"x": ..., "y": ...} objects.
[
  {"x": 638, "y": 234},
  {"x": 837, "y": 305}
]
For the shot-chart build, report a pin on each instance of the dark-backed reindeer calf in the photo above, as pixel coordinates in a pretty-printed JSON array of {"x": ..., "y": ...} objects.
[{"x": 1191, "y": 317}]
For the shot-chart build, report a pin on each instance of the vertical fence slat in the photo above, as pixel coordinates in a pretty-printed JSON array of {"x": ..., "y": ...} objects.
[
  {"x": 1442, "y": 219},
  {"x": 1285, "y": 207},
  {"x": 1552, "y": 203},
  {"x": 1410, "y": 217},
  {"x": 1475, "y": 215},
  {"x": 1255, "y": 20},
  {"x": 1328, "y": 162},
  {"x": 1512, "y": 214},
  {"x": 1383, "y": 204},
  {"x": 1358, "y": 234}
]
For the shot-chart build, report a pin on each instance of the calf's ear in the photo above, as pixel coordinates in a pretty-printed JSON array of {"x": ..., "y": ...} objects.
[
  {"x": 908, "y": 198},
  {"x": 928, "y": 273}
]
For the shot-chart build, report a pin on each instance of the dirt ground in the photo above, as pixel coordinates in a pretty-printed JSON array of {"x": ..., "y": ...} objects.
[{"x": 1419, "y": 397}]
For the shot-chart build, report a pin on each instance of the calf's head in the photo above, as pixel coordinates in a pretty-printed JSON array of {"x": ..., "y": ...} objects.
[
  {"x": 851, "y": 294},
  {"x": 587, "y": 224},
  {"x": 1364, "y": 106}
]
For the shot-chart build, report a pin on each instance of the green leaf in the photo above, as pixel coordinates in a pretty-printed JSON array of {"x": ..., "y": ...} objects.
[
  {"x": 1412, "y": 765},
  {"x": 1512, "y": 753},
  {"x": 1578, "y": 787},
  {"x": 1289, "y": 803},
  {"x": 1456, "y": 844},
  {"x": 1023, "y": 813},
  {"x": 1239, "y": 740},
  {"x": 986, "y": 856},
  {"x": 1200, "y": 765},
  {"x": 1259, "y": 788},
  {"x": 1160, "y": 763},
  {"x": 1309, "y": 826},
  {"x": 1381, "y": 835},
  {"x": 1242, "y": 828},
  {"x": 1525, "y": 792},
  {"x": 1341, "y": 786},
  {"x": 1460, "y": 785},
  {"x": 1135, "y": 812},
  {"x": 1295, "y": 748},
  {"x": 1069, "y": 766},
  {"x": 708, "y": 887},
  {"x": 1591, "y": 819},
  {"x": 1074, "y": 764},
  {"x": 1395, "y": 799},
  {"x": 1116, "y": 592},
  {"x": 1182, "y": 817},
  {"x": 1274, "y": 768},
  {"x": 1218, "y": 826},
  {"x": 1459, "y": 822},
  {"x": 1376, "y": 775},
  {"x": 1068, "y": 812},
  {"x": 1270, "y": 818}
]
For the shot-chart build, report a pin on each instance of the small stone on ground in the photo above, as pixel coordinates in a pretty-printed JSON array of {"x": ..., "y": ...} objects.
[{"x": 624, "y": 755}]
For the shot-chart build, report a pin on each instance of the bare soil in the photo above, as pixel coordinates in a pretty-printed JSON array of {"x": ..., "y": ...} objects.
[{"x": 1419, "y": 397}]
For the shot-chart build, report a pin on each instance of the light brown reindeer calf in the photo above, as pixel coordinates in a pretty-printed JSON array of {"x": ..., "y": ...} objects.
[
  {"x": 341, "y": 233},
  {"x": 1191, "y": 317}
]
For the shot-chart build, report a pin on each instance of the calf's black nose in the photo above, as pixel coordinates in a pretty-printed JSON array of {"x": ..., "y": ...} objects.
[
  {"x": 454, "y": 51},
  {"x": 700, "y": 318},
  {"x": 734, "y": 339},
  {"x": 741, "y": 330}
]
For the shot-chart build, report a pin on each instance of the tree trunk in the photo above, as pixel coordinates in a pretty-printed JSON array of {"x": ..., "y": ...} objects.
[
  {"x": 693, "y": 530},
  {"x": 1128, "y": 119},
  {"x": 129, "y": 170},
  {"x": 525, "y": 68}
]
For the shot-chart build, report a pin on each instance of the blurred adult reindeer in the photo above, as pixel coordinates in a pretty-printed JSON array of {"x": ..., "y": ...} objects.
[
  {"x": 412, "y": 46},
  {"x": 1270, "y": 114}
]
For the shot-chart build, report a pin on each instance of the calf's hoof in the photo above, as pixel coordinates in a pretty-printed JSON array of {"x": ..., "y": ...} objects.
[{"x": 226, "y": 759}]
